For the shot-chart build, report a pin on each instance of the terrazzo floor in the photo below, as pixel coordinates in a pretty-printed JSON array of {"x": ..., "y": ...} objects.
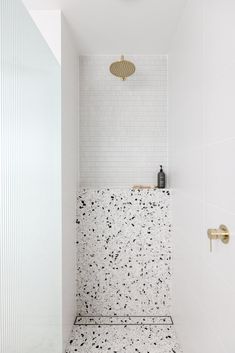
[{"x": 153, "y": 336}]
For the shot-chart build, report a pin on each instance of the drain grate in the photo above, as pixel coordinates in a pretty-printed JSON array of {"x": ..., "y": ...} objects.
[{"x": 123, "y": 320}]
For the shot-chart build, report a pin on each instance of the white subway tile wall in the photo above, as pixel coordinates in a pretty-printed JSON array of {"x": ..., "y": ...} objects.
[{"x": 123, "y": 125}]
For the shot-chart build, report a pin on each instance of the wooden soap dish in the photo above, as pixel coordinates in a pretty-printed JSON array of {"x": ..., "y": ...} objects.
[{"x": 141, "y": 187}]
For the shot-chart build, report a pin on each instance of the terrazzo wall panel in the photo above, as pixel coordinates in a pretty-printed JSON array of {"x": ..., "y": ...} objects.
[{"x": 124, "y": 252}]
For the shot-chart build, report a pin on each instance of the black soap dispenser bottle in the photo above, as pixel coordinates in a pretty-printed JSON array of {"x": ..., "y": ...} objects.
[{"x": 161, "y": 179}]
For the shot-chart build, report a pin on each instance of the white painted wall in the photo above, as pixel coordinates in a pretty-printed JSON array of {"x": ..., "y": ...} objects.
[
  {"x": 123, "y": 125},
  {"x": 69, "y": 101},
  {"x": 59, "y": 38},
  {"x": 111, "y": 26},
  {"x": 49, "y": 24},
  {"x": 202, "y": 145}
]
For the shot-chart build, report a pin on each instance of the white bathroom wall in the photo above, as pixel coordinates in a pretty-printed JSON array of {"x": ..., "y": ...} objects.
[
  {"x": 59, "y": 38},
  {"x": 219, "y": 51},
  {"x": 202, "y": 145},
  {"x": 123, "y": 125},
  {"x": 69, "y": 101},
  {"x": 49, "y": 24},
  {"x": 187, "y": 179}
]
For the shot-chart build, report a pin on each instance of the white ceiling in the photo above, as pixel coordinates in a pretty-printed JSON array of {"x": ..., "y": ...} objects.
[{"x": 118, "y": 26}]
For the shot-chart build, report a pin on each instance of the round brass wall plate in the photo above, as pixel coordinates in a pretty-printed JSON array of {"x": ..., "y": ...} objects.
[
  {"x": 122, "y": 68},
  {"x": 226, "y": 234}
]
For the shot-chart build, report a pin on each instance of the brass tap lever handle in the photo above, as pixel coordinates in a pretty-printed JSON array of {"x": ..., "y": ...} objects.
[{"x": 222, "y": 233}]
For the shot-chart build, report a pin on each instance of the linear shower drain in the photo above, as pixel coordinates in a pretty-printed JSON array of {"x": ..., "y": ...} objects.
[{"x": 123, "y": 320}]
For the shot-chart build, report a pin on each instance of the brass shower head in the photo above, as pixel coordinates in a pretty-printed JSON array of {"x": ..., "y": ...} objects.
[{"x": 122, "y": 68}]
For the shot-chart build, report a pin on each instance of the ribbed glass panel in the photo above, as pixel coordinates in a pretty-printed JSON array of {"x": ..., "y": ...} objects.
[{"x": 30, "y": 187}]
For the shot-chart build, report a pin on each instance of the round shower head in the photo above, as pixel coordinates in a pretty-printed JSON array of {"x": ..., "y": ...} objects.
[{"x": 122, "y": 68}]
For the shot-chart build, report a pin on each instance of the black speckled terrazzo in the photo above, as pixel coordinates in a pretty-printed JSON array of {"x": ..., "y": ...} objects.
[
  {"x": 119, "y": 339},
  {"x": 124, "y": 252},
  {"x": 123, "y": 273}
]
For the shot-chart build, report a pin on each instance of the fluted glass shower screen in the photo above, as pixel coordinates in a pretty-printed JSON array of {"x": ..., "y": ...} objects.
[{"x": 30, "y": 186}]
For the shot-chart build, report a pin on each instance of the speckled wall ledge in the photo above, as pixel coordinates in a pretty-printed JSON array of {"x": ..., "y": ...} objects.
[{"x": 124, "y": 252}]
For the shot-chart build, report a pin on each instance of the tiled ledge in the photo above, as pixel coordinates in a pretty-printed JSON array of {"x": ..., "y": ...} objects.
[{"x": 125, "y": 189}]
